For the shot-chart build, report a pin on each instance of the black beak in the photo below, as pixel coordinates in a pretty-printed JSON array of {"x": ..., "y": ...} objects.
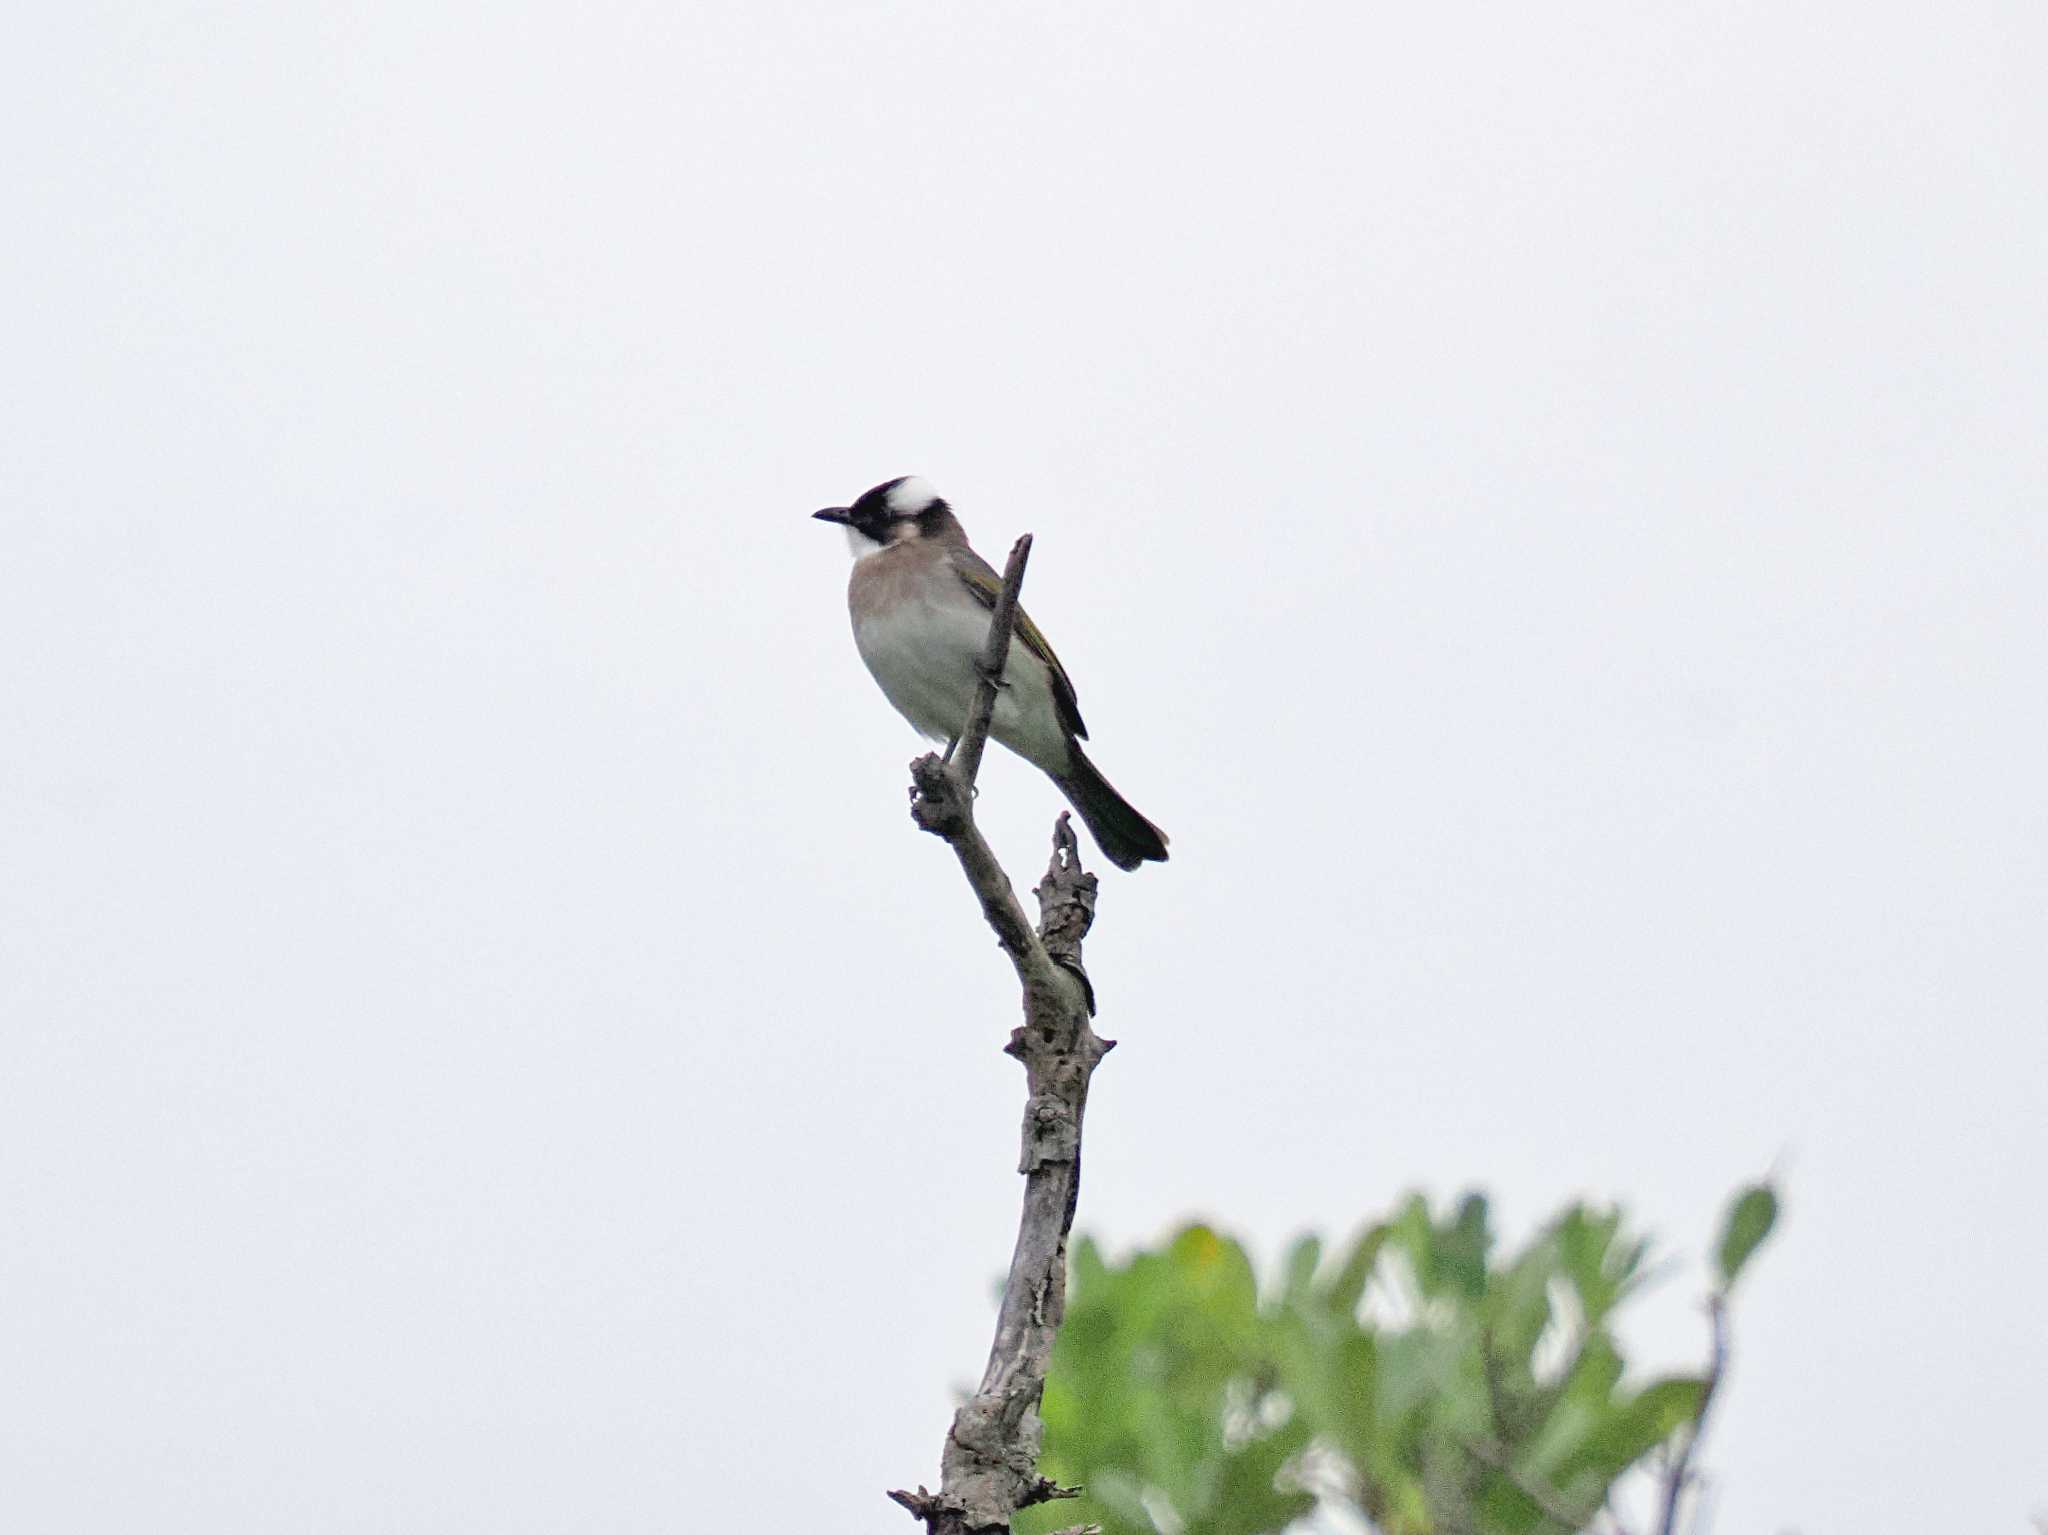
[{"x": 836, "y": 514}]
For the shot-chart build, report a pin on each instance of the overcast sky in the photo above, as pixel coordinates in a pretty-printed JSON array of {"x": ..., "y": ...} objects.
[{"x": 1545, "y": 505}]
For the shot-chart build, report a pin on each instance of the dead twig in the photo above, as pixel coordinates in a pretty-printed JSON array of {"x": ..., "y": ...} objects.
[
  {"x": 989, "y": 1465},
  {"x": 1680, "y": 1472},
  {"x": 994, "y": 655}
]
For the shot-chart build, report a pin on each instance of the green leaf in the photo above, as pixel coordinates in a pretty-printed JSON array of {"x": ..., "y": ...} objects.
[
  {"x": 1749, "y": 1221},
  {"x": 1633, "y": 1428},
  {"x": 1302, "y": 1259},
  {"x": 1346, "y": 1392},
  {"x": 1576, "y": 1406},
  {"x": 1413, "y": 1234},
  {"x": 1603, "y": 1267},
  {"x": 1246, "y": 1499},
  {"x": 1517, "y": 1308},
  {"x": 1087, "y": 1269},
  {"x": 1463, "y": 1245},
  {"x": 1215, "y": 1271},
  {"x": 1348, "y": 1288},
  {"x": 1504, "y": 1507}
]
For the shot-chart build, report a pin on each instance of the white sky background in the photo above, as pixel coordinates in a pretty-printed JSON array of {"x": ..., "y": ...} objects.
[{"x": 1546, "y": 505}]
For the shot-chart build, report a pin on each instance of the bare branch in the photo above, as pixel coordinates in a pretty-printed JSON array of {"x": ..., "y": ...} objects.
[
  {"x": 944, "y": 805},
  {"x": 1680, "y": 1473},
  {"x": 967, "y": 756},
  {"x": 989, "y": 1466}
]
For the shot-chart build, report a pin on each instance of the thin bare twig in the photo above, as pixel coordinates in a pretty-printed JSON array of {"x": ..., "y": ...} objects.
[
  {"x": 1680, "y": 1474},
  {"x": 967, "y": 755},
  {"x": 989, "y": 1466}
]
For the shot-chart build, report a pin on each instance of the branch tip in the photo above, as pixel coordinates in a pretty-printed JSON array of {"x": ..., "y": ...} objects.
[
  {"x": 921, "y": 1504},
  {"x": 966, "y": 755}
]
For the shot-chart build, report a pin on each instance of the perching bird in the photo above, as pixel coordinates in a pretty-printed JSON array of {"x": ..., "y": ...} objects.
[{"x": 921, "y": 599}]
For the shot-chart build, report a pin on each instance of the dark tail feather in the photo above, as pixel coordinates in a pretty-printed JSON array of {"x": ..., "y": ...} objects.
[{"x": 1126, "y": 838}]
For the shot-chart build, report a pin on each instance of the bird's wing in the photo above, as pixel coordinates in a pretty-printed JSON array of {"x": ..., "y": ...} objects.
[{"x": 987, "y": 587}]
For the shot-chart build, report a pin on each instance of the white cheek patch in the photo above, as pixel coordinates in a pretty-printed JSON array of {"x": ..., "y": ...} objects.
[
  {"x": 860, "y": 544},
  {"x": 911, "y": 495}
]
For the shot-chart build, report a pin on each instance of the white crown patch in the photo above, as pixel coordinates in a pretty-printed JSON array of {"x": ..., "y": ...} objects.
[{"x": 911, "y": 495}]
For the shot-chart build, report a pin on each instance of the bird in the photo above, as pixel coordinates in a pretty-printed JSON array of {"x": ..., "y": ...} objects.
[{"x": 920, "y": 599}]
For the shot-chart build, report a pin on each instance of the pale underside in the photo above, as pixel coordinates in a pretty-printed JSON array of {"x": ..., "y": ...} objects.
[{"x": 920, "y": 630}]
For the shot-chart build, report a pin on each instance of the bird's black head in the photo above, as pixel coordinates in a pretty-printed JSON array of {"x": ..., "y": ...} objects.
[{"x": 905, "y": 507}]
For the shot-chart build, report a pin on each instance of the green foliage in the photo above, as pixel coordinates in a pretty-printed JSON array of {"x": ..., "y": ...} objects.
[
  {"x": 1750, "y": 1220},
  {"x": 1412, "y": 1373}
]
